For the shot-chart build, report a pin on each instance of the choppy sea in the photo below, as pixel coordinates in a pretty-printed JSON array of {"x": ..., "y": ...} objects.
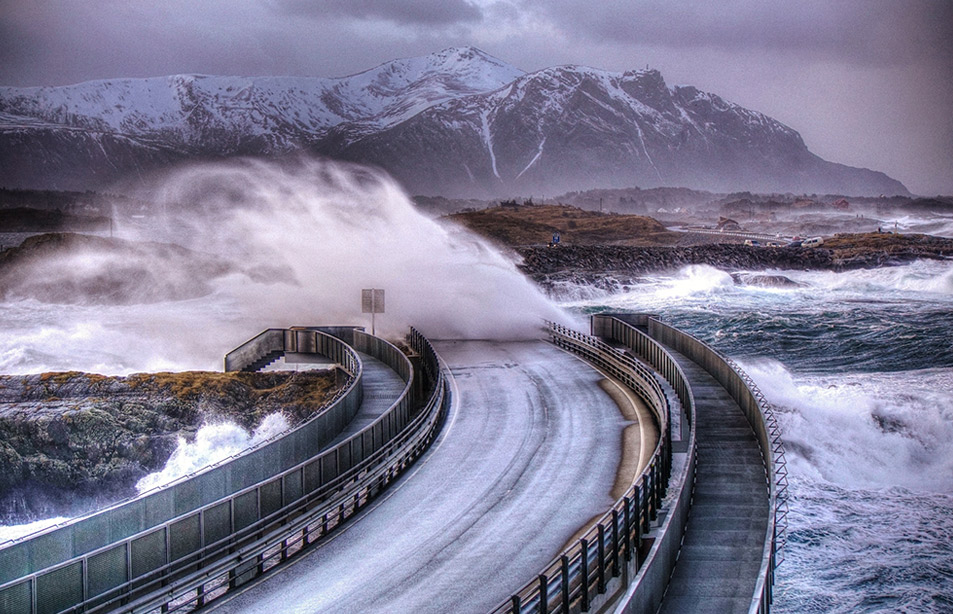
[{"x": 859, "y": 366}]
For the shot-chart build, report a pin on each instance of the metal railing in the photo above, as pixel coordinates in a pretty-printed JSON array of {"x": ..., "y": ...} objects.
[
  {"x": 43, "y": 568},
  {"x": 763, "y": 420},
  {"x": 199, "y": 553},
  {"x": 578, "y": 579}
]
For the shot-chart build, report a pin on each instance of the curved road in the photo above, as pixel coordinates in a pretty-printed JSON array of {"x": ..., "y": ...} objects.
[{"x": 531, "y": 447}]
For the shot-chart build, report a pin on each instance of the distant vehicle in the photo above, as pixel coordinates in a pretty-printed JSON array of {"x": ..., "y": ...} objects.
[
  {"x": 794, "y": 244},
  {"x": 753, "y": 242},
  {"x": 812, "y": 242}
]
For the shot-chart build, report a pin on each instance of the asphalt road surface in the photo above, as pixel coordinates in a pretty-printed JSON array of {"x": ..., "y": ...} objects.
[{"x": 528, "y": 455}]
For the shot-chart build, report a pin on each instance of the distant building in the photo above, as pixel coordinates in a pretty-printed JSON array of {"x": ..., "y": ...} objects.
[{"x": 726, "y": 224}]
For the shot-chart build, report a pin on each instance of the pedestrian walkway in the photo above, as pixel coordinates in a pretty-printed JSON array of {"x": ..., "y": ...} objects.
[{"x": 719, "y": 562}]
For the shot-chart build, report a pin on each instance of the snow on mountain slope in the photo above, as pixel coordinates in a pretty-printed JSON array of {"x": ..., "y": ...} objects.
[
  {"x": 456, "y": 122},
  {"x": 190, "y": 107},
  {"x": 570, "y": 127}
]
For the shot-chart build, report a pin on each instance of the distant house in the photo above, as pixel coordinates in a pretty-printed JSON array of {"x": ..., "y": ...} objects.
[{"x": 841, "y": 204}]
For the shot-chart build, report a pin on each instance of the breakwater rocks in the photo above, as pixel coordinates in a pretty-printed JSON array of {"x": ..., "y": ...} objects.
[
  {"x": 593, "y": 265},
  {"x": 70, "y": 441}
]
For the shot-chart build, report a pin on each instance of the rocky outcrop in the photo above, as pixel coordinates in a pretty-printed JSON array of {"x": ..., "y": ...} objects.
[
  {"x": 590, "y": 265},
  {"x": 70, "y": 440},
  {"x": 765, "y": 281}
]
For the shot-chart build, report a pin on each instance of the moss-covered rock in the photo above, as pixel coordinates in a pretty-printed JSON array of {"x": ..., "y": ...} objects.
[{"x": 68, "y": 438}]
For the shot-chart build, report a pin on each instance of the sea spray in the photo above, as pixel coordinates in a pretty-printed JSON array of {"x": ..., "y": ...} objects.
[
  {"x": 323, "y": 231},
  {"x": 213, "y": 443},
  {"x": 304, "y": 237},
  {"x": 868, "y": 430}
]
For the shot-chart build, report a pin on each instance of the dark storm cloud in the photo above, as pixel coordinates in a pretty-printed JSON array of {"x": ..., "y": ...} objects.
[
  {"x": 423, "y": 12},
  {"x": 860, "y": 31}
]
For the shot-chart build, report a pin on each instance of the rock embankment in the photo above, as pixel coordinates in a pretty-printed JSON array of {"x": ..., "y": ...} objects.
[
  {"x": 71, "y": 440},
  {"x": 586, "y": 264}
]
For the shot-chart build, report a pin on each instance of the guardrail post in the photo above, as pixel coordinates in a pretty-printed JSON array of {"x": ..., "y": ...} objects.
[
  {"x": 602, "y": 559},
  {"x": 644, "y": 495},
  {"x": 627, "y": 528},
  {"x": 565, "y": 583},
  {"x": 657, "y": 489},
  {"x": 584, "y": 569},
  {"x": 637, "y": 526},
  {"x": 615, "y": 543},
  {"x": 543, "y": 594}
]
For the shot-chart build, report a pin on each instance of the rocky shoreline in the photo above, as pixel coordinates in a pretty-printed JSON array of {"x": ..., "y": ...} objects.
[
  {"x": 71, "y": 441},
  {"x": 601, "y": 265}
]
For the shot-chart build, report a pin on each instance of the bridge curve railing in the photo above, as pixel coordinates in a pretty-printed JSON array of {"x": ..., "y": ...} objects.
[
  {"x": 148, "y": 562},
  {"x": 761, "y": 416},
  {"x": 583, "y": 576},
  {"x": 262, "y": 546},
  {"x": 50, "y": 570}
]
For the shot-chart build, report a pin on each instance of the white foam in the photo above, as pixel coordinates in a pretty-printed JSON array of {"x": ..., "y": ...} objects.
[
  {"x": 865, "y": 430},
  {"x": 703, "y": 286},
  {"x": 213, "y": 443}
]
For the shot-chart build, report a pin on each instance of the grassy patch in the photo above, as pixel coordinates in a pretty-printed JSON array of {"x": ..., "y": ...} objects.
[{"x": 535, "y": 225}]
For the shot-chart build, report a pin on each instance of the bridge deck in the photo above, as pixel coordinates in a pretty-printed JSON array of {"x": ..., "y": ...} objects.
[
  {"x": 720, "y": 558},
  {"x": 531, "y": 441},
  {"x": 382, "y": 386}
]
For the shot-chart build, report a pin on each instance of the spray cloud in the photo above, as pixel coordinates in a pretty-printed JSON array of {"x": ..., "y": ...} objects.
[
  {"x": 302, "y": 238},
  {"x": 311, "y": 234}
]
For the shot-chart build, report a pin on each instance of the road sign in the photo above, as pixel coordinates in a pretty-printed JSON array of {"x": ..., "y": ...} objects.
[{"x": 372, "y": 302}]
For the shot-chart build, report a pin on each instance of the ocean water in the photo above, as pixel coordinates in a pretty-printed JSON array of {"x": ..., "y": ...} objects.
[{"x": 859, "y": 366}]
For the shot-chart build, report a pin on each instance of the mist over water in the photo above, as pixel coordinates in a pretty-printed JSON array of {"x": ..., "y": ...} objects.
[
  {"x": 301, "y": 238},
  {"x": 318, "y": 232}
]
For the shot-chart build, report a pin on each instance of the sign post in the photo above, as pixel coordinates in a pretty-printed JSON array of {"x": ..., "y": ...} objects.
[{"x": 372, "y": 302}]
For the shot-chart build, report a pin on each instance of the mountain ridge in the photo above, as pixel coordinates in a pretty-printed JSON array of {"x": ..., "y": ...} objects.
[{"x": 457, "y": 122}]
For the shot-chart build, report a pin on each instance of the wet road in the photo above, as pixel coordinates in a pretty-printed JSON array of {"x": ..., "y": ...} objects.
[{"x": 528, "y": 455}]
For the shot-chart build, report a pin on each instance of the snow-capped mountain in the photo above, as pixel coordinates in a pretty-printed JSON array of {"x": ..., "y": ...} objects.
[{"x": 457, "y": 123}]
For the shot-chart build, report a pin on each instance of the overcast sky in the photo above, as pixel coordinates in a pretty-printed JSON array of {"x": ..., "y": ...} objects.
[{"x": 866, "y": 82}]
